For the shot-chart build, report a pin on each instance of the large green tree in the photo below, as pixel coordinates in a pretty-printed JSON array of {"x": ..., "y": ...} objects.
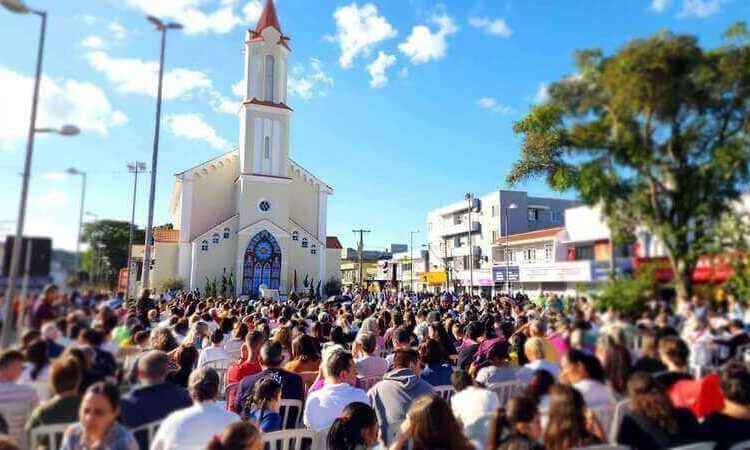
[
  {"x": 112, "y": 238},
  {"x": 656, "y": 133}
]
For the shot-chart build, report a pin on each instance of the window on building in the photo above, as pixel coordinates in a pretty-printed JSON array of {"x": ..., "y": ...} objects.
[
  {"x": 269, "y": 78},
  {"x": 585, "y": 253},
  {"x": 215, "y": 238},
  {"x": 313, "y": 250},
  {"x": 226, "y": 233},
  {"x": 494, "y": 210},
  {"x": 457, "y": 242},
  {"x": 429, "y": 226},
  {"x": 304, "y": 242},
  {"x": 295, "y": 235},
  {"x": 532, "y": 214},
  {"x": 267, "y": 148},
  {"x": 529, "y": 255},
  {"x": 548, "y": 253},
  {"x": 494, "y": 235},
  {"x": 555, "y": 216},
  {"x": 458, "y": 219},
  {"x": 204, "y": 245}
]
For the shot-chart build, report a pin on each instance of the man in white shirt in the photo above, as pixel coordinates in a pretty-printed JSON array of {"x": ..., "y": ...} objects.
[
  {"x": 193, "y": 427},
  {"x": 471, "y": 403},
  {"x": 12, "y": 393},
  {"x": 215, "y": 351},
  {"x": 325, "y": 405}
]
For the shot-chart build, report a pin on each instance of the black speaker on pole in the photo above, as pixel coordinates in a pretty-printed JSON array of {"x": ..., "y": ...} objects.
[{"x": 41, "y": 255}]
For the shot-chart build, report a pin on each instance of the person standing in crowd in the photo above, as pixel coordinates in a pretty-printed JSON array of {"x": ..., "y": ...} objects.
[
  {"x": 392, "y": 396},
  {"x": 237, "y": 436},
  {"x": 652, "y": 422},
  {"x": 355, "y": 429},
  {"x": 97, "y": 426},
  {"x": 271, "y": 357},
  {"x": 65, "y": 378},
  {"x": 419, "y": 428},
  {"x": 198, "y": 423},
  {"x": 325, "y": 405},
  {"x": 732, "y": 424},
  {"x": 517, "y": 426},
  {"x": 43, "y": 310}
]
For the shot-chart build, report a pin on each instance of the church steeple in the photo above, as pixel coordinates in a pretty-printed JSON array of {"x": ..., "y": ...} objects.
[{"x": 268, "y": 18}]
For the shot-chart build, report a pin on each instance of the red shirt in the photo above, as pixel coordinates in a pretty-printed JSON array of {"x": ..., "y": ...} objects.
[{"x": 236, "y": 372}]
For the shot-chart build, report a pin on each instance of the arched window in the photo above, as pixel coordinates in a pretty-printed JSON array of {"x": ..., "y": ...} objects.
[
  {"x": 295, "y": 236},
  {"x": 204, "y": 245},
  {"x": 215, "y": 238},
  {"x": 270, "y": 73},
  {"x": 226, "y": 233},
  {"x": 267, "y": 148},
  {"x": 313, "y": 250},
  {"x": 304, "y": 242}
]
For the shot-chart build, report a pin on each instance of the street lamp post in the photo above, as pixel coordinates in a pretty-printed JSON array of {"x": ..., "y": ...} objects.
[
  {"x": 18, "y": 7},
  {"x": 507, "y": 249},
  {"x": 470, "y": 198},
  {"x": 162, "y": 28},
  {"x": 411, "y": 259},
  {"x": 74, "y": 171},
  {"x": 134, "y": 168}
]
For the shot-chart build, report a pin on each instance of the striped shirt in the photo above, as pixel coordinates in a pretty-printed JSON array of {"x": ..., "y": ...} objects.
[{"x": 16, "y": 403}]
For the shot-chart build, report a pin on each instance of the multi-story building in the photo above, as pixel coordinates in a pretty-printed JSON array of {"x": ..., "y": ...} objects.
[
  {"x": 493, "y": 215},
  {"x": 371, "y": 259},
  {"x": 404, "y": 270}
]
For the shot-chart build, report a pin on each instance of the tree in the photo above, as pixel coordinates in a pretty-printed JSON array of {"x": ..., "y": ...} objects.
[
  {"x": 332, "y": 287},
  {"x": 112, "y": 236},
  {"x": 656, "y": 133},
  {"x": 629, "y": 294},
  {"x": 170, "y": 283}
]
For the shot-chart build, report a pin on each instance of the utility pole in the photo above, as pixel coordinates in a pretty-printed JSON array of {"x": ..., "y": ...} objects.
[
  {"x": 411, "y": 259},
  {"x": 470, "y": 198},
  {"x": 360, "y": 248}
]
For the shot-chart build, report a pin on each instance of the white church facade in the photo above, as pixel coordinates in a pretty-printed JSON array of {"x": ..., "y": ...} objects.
[{"x": 253, "y": 212}]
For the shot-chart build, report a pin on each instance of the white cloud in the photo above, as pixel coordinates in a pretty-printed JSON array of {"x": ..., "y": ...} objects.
[
  {"x": 92, "y": 42},
  {"x": 54, "y": 176},
  {"x": 377, "y": 69},
  {"x": 65, "y": 101},
  {"x": 53, "y": 198},
  {"x": 700, "y": 8},
  {"x": 88, "y": 19},
  {"x": 238, "y": 88},
  {"x": 542, "y": 93},
  {"x": 423, "y": 45},
  {"x": 137, "y": 76},
  {"x": 404, "y": 72},
  {"x": 117, "y": 31},
  {"x": 192, "y": 126},
  {"x": 201, "y": 16},
  {"x": 496, "y": 27},
  {"x": 359, "y": 30},
  {"x": 658, "y": 5},
  {"x": 491, "y": 104},
  {"x": 308, "y": 82}
]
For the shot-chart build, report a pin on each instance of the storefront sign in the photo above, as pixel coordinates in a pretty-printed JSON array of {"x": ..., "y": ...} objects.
[
  {"x": 563, "y": 271},
  {"x": 498, "y": 274}
]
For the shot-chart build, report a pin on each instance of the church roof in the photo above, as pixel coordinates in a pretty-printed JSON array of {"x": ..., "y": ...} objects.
[
  {"x": 333, "y": 242},
  {"x": 268, "y": 18}
]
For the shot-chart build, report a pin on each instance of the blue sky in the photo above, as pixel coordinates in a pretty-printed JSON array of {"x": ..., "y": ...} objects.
[{"x": 401, "y": 106}]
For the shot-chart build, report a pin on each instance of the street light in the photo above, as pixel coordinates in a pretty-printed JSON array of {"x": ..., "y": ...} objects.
[
  {"x": 411, "y": 259},
  {"x": 134, "y": 168},
  {"x": 74, "y": 171},
  {"x": 507, "y": 247},
  {"x": 18, "y": 7},
  {"x": 470, "y": 198},
  {"x": 162, "y": 28}
]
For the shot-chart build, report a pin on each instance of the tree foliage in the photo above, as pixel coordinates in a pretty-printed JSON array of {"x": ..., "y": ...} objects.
[
  {"x": 332, "y": 287},
  {"x": 628, "y": 295},
  {"x": 112, "y": 238},
  {"x": 656, "y": 133},
  {"x": 170, "y": 283}
]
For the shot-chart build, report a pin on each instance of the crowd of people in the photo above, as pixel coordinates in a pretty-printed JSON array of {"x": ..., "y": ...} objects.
[{"x": 388, "y": 371}]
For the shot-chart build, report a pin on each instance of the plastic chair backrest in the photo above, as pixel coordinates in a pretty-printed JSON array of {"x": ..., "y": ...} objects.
[
  {"x": 446, "y": 392},
  {"x": 289, "y": 440},
  {"x": 149, "y": 429},
  {"x": 506, "y": 390},
  {"x": 291, "y": 413},
  {"x": 47, "y": 436},
  {"x": 15, "y": 415},
  {"x": 605, "y": 414},
  {"x": 620, "y": 409},
  {"x": 696, "y": 446}
]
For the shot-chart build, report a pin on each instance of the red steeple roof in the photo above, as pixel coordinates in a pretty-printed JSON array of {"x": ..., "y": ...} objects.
[{"x": 268, "y": 18}]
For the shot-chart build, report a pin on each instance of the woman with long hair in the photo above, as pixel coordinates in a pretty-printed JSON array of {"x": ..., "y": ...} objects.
[
  {"x": 653, "y": 422},
  {"x": 198, "y": 335},
  {"x": 283, "y": 336},
  {"x": 438, "y": 332},
  {"x": 570, "y": 423},
  {"x": 517, "y": 426},
  {"x": 186, "y": 357},
  {"x": 616, "y": 361},
  {"x": 355, "y": 429},
  {"x": 37, "y": 363},
  {"x": 420, "y": 427},
  {"x": 305, "y": 356},
  {"x": 436, "y": 371},
  {"x": 237, "y": 436}
]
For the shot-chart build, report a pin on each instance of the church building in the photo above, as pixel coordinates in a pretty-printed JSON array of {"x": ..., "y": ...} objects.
[{"x": 253, "y": 213}]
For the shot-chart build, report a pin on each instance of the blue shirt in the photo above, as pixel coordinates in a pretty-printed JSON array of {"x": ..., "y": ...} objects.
[
  {"x": 269, "y": 421},
  {"x": 437, "y": 374}
]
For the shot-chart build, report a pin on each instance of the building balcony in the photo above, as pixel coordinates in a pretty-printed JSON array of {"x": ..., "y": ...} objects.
[
  {"x": 454, "y": 208},
  {"x": 460, "y": 228}
]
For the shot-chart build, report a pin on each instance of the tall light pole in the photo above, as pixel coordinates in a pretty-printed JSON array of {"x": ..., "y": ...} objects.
[
  {"x": 162, "y": 28},
  {"x": 507, "y": 249},
  {"x": 470, "y": 198},
  {"x": 95, "y": 247},
  {"x": 411, "y": 259},
  {"x": 74, "y": 171},
  {"x": 134, "y": 168},
  {"x": 18, "y": 7}
]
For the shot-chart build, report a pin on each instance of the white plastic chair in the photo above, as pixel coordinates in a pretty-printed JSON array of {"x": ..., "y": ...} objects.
[
  {"x": 321, "y": 439},
  {"x": 506, "y": 390},
  {"x": 220, "y": 366},
  {"x": 446, "y": 392},
  {"x": 47, "y": 436},
  {"x": 16, "y": 414},
  {"x": 620, "y": 409},
  {"x": 287, "y": 408},
  {"x": 289, "y": 440},
  {"x": 696, "y": 446},
  {"x": 149, "y": 429},
  {"x": 606, "y": 415},
  {"x": 744, "y": 445},
  {"x": 43, "y": 389}
]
